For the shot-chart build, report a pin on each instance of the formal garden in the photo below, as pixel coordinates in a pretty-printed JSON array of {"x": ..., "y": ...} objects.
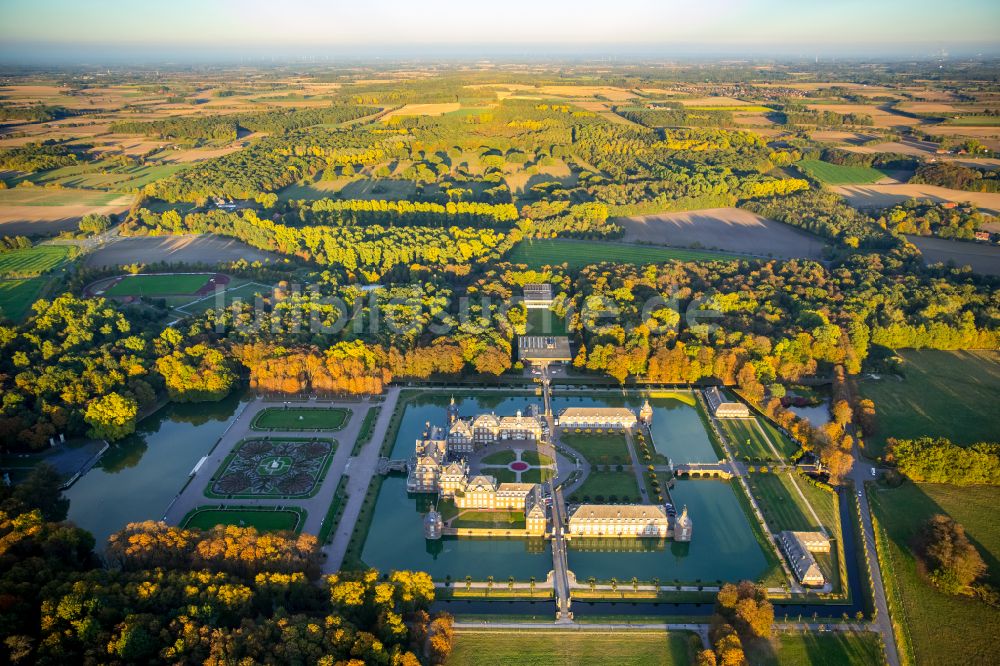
[
  {"x": 301, "y": 418},
  {"x": 263, "y": 468}
]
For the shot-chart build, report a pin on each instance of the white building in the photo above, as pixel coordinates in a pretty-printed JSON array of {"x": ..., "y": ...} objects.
[
  {"x": 723, "y": 409},
  {"x": 615, "y": 418}
]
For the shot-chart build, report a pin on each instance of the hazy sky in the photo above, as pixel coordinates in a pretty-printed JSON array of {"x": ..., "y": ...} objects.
[{"x": 786, "y": 27}]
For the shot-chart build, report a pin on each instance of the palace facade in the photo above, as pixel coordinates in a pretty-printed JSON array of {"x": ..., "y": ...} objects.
[
  {"x": 628, "y": 520},
  {"x": 615, "y": 418},
  {"x": 723, "y": 409}
]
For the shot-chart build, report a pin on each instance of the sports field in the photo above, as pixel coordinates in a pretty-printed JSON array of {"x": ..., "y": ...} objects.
[
  {"x": 300, "y": 418},
  {"x": 263, "y": 520},
  {"x": 33, "y": 260},
  {"x": 835, "y": 174},
  {"x": 939, "y": 629},
  {"x": 950, "y": 394},
  {"x": 569, "y": 648},
  {"x": 577, "y": 254},
  {"x": 158, "y": 285}
]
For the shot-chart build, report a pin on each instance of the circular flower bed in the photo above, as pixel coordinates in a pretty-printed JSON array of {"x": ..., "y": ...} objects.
[{"x": 518, "y": 466}]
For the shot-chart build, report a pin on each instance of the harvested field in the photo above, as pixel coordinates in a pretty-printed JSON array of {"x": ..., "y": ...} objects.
[
  {"x": 883, "y": 196},
  {"x": 753, "y": 119},
  {"x": 30, "y": 219},
  {"x": 915, "y": 148},
  {"x": 729, "y": 229},
  {"x": 191, "y": 248},
  {"x": 424, "y": 110},
  {"x": 577, "y": 254},
  {"x": 838, "y": 135},
  {"x": 614, "y": 94},
  {"x": 980, "y": 257}
]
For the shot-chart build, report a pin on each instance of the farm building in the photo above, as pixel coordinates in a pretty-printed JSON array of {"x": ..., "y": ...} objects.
[
  {"x": 617, "y": 418},
  {"x": 544, "y": 349},
  {"x": 537, "y": 295},
  {"x": 723, "y": 409}
]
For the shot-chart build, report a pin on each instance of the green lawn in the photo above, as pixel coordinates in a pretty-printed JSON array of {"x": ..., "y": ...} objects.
[
  {"x": 491, "y": 519},
  {"x": 503, "y": 475},
  {"x": 536, "y": 458},
  {"x": 941, "y": 629},
  {"x": 819, "y": 649},
  {"x": 538, "y": 253},
  {"x": 835, "y": 174},
  {"x": 17, "y": 296},
  {"x": 603, "y": 449},
  {"x": 747, "y": 438},
  {"x": 500, "y": 458},
  {"x": 944, "y": 394},
  {"x": 783, "y": 507},
  {"x": 569, "y": 648},
  {"x": 545, "y": 322},
  {"x": 158, "y": 285},
  {"x": 621, "y": 485},
  {"x": 263, "y": 520},
  {"x": 301, "y": 418},
  {"x": 33, "y": 261}
]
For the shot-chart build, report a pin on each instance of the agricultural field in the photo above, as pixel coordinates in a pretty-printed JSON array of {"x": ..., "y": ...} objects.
[
  {"x": 940, "y": 629},
  {"x": 980, "y": 257},
  {"x": 836, "y": 174},
  {"x": 950, "y": 394},
  {"x": 728, "y": 229},
  {"x": 888, "y": 195},
  {"x": 577, "y": 254},
  {"x": 569, "y": 648},
  {"x": 96, "y": 176},
  {"x": 182, "y": 249},
  {"x": 33, "y": 261},
  {"x": 16, "y": 296},
  {"x": 301, "y": 418},
  {"x": 263, "y": 520},
  {"x": 168, "y": 284},
  {"x": 57, "y": 196}
]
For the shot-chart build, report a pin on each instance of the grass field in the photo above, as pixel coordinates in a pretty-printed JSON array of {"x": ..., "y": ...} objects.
[
  {"x": 16, "y": 296},
  {"x": 50, "y": 196},
  {"x": 33, "y": 260},
  {"x": 245, "y": 293},
  {"x": 263, "y": 520},
  {"x": 545, "y": 322},
  {"x": 604, "y": 449},
  {"x": 491, "y": 520},
  {"x": 578, "y": 254},
  {"x": 565, "y": 648},
  {"x": 981, "y": 121},
  {"x": 300, "y": 418},
  {"x": 608, "y": 484},
  {"x": 527, "y": 476},
  {"x": 944, "y": 394},
  {"x": 748, "y": 439},
  {"x": 158, "y": 285},
  {"x": 500, "y": 458},
  {"x": 535, "y": 458},
  {"x": 784, "y": 509},
  {"x": 942, "y": 630},
  {"x": 113, "y": 178},
  {"x": 816, "y": 649},
  {"x": 835, "y": 174}
]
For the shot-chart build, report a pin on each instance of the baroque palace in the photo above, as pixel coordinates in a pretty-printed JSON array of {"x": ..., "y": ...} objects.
[{"x": 439, "y": 466}]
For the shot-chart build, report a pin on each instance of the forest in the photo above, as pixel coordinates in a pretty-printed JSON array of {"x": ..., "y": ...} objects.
[{"x": 167, "y": 595}]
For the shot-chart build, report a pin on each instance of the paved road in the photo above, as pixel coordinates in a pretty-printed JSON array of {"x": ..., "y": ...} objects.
[
  {"x": 359, "y": 475},
  {"x": 860, "y": 473}
]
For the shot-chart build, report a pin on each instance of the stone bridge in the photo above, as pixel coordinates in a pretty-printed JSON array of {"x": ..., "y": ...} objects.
[{"x": 705, "y": 470}]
